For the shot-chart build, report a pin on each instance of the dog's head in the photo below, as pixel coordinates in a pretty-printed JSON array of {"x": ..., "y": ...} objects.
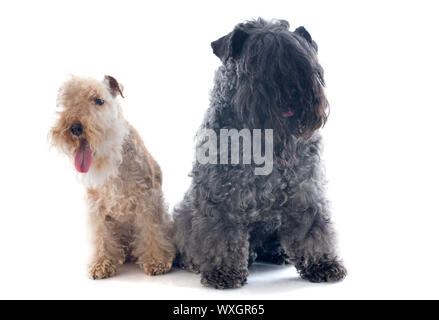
[
  {"x": 279, "y": 79},
  {"x": 90, "y": 126}
]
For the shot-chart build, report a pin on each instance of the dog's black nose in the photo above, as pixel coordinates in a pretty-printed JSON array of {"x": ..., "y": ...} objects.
[{"x": 76, "y": 129}]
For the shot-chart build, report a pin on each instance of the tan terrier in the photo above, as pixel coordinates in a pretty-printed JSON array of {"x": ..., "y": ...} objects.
[{"x": 123, "y": 180}]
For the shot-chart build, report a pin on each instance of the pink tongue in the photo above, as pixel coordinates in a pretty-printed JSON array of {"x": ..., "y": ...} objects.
[
  {"x": 83, "y": 157},
  {"x": 289, "y": 113}
]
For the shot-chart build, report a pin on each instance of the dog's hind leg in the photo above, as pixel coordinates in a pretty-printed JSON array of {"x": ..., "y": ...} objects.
[
  {"x": 187, "y": 246},
  {"x": 272, "y": 252}
]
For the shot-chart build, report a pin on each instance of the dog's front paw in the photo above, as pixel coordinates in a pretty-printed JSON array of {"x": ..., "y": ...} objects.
[
  {"x": 324, "y": 271},
  {"x": 101, "y": 269},
  {"x": 154, "y": 268},
  {"x": 224, "y": 279}
]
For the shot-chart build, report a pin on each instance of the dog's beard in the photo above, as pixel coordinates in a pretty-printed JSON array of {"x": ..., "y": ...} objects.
[
  {"x": 107, "y": 154},
  {"x": 97, "y": 154}
]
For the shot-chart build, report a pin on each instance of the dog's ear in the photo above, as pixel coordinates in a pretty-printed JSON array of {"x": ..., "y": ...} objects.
[
  {"x": 301, "y": 31},
  {"x": 284, "y": 23},
  {"x": 304, "y": 33},
  {"x": 230, "y": 46},
  {"x": 114, "y": 86},
  {"x": 237, "y": 40}
]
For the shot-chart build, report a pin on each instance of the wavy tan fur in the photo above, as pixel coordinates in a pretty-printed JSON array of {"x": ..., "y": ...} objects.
[{"x": 124, "y": 195}]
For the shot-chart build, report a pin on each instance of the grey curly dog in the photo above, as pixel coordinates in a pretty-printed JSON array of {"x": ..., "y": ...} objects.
[{"x": 270, "y": 78}]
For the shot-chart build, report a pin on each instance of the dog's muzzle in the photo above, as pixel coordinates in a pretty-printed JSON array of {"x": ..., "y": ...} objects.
[{"x": 76, "y": 129}]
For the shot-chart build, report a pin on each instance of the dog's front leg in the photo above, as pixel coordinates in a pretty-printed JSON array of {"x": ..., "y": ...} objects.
[
  {"x": 108, "y": 254},
  {"x": 223, "y": 254},
  {"x": 308, "y": 238},
  {"x": 153, "y": 245},
  {"x": 153, "y": 249}
]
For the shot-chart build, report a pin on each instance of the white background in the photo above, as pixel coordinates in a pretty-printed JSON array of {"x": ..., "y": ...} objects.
[{"x": 381, "y": 63}]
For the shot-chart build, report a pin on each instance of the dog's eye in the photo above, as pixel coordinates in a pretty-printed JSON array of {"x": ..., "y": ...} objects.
[{"x": 99, "y": 102}]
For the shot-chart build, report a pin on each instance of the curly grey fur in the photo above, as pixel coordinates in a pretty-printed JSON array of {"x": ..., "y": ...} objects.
[{"x": 229, "y": 217}]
